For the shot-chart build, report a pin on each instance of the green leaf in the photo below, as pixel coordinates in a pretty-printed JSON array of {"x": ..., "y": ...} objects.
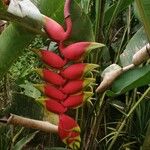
[
  {"x": 138, "y": 41},
  {"x": 143, "y": 7},
  {"x": 131, "y": 79},
  {"x": 82, "y": 26},
  {"x": 53, "y": 9},
  {"x": 108, "y": 13},
  {"x": 12, "y": 42},
  {"x": 30, "y": 90},
  {"x": 5, "y": 139},
  {"x": 19, "y": 145},
  {"x": 23, "y": 105},
  {"x": 142, "y": 114},
  {"x": 85, "y": 5}
]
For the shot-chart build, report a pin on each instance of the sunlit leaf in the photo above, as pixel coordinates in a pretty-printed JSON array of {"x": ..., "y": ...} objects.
[
  {"x": 30, "y": 90},
  {"x": 109, "y": 69},
  {"x": 85, "y": 5},
  {"x": 138, "y": 41}
]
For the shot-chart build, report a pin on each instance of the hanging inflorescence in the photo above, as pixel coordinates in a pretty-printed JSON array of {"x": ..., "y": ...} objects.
[{"x": 66, "y": 83}]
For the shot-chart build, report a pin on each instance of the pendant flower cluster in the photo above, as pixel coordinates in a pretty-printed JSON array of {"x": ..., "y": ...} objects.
[{"x": 66, "y": 78}]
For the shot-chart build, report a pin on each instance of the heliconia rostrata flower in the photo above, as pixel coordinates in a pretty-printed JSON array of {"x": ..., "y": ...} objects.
[
  {"x": 74, "y": 101},
  {"x": 77, "y": 71},
  {"x": 53, "y": 105},
  {"x": 65, "y": 79},
  {"x": 78, "y": 50},
  {"x": 51, "y": 59},
  {"x": 69, "y": 131},
  {"x": 75, "y": 86},
  {"x": 51, "y": 76}
]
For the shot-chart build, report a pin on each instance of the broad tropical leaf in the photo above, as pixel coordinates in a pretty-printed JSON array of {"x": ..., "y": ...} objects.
[
  {"x": 12, "y": 42},
  {"x": 130, "y": 80}
]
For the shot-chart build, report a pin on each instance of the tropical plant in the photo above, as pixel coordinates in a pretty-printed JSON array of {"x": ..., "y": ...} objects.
[{"x": 117, "y": 115}]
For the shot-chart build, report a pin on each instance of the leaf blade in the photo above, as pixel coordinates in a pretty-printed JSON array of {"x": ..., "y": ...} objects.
[
  {"x": 131, "y": 79},
  {"x": 19, "y": 145},
  {"x": 12, "y": 42}
]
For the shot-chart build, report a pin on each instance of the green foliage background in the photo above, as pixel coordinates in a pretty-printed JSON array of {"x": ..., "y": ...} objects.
[{"x": 117, "y": 119}]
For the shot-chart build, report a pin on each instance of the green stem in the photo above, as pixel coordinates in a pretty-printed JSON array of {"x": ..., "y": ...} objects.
[
  {"x": 128, "y": 22},
  {"x": 99, "y": 115},
  {"x": 99, "y": 36},
  {"x": 99, "y": 118},
  {"x": 125, "y": 119},
  {"x": 121, "y": 44},
  {"x": 113, "y": 18},
  {"x": 100, "y": 5},
  {"x": 17, "y": 135}
]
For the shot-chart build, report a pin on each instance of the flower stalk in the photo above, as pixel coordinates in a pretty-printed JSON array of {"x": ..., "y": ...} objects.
[
  {"x": 142, "y": 55},
  {"x": 138, "y": 58},
  {"x": 31, "y": 123}
]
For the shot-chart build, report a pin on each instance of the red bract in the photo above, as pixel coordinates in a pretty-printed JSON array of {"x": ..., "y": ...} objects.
[
  {"x": 52, "y": 105},
  {"x": 75, "y": 86},
  {"x": 55, "y": 30},
  {"x": 51, "y": 59},
  {"x": 77, "y": 51},
  {"x": 74, "y": 101},
  {"x": 69, "y": 131},
  {"x": 76, "y": 71},
  {"x": 51, "y": 91},
  {"x": 51, "y": 76}
]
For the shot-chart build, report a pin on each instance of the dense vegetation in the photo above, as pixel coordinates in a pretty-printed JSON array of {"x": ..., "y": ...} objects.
[{"x": 116, "y": 118}]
